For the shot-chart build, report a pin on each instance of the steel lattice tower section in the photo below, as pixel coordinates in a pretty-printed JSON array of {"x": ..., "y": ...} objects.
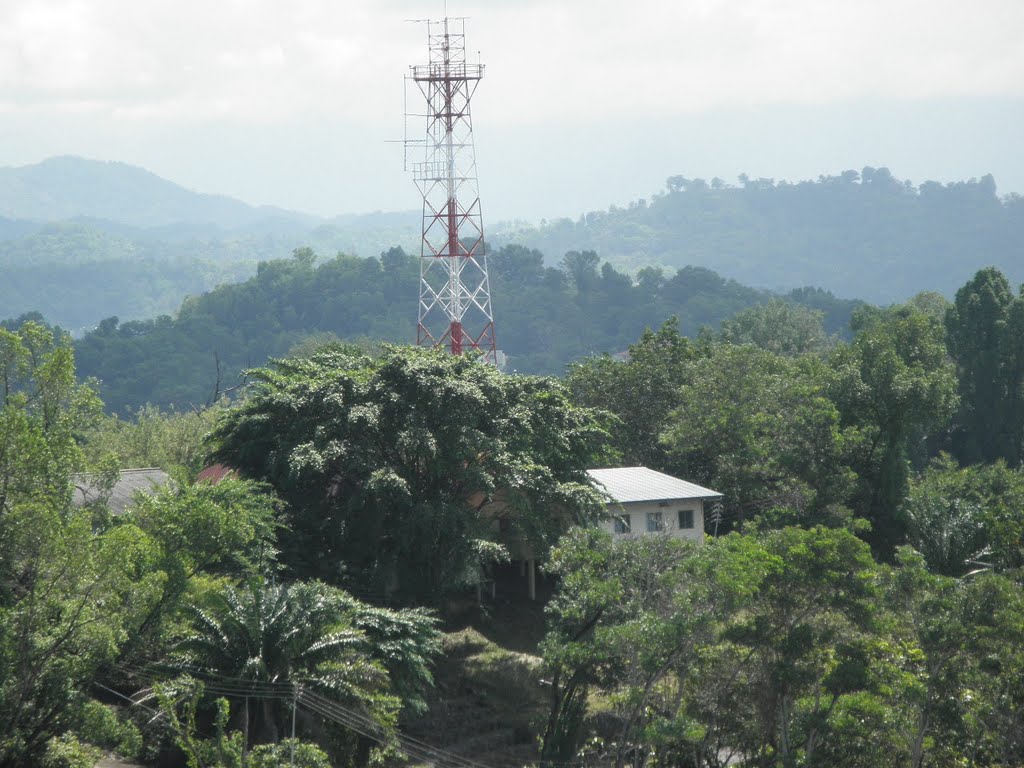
[{"x": 455, "y": 293}]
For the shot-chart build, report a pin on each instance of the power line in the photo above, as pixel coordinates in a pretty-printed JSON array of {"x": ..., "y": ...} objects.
[{"x": 313, "y": 702}]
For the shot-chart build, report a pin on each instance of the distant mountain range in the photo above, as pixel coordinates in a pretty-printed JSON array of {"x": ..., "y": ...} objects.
[
  {"x": 63, "y": 188},
  {"x": 81, "y": 240},
  {"x": 861, "y": 234}
]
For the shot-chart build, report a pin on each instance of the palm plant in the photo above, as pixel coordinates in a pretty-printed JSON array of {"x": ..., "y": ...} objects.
[
  {"x": 279, "y": 634},
  {"x": 949, "y": 532}
]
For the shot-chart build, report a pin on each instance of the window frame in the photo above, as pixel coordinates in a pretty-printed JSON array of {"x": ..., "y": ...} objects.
[{"x": 692, "y": 519}]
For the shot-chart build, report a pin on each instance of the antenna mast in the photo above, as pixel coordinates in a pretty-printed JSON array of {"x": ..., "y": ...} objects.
[{"x": 455, "y": 294}]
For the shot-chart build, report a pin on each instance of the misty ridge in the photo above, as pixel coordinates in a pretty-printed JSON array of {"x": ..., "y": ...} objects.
[
  {"x": 171, "y": 291},
  {"x": 81, "y": 240}
]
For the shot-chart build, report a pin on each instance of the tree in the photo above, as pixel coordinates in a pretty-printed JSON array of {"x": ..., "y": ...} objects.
[
  {"x": 795, "y": 650},
  {"x": 893, "y": 385},
  {"x": 74, "y": 600},
  {"x": 962, "y": 519},
  {"x": 984, "y": 328},
  {"x": 782, "y": 327},
  {"x": 640, "y": 391},
  {"x": 68, "y": 598},
  {"x": 750, "y": 649},
  {"x": 285, "y": 634},
  {"x": 179, "y": 702},
  {"x": 761, "y": 430},
  {"x": 582, "y": 270},
  {"x": 152, "y": 438},
  {"x": 963, "y": 700},
  {"x": 395, "y": 468},
  {"x": 195, "y": 531},
  {"x": 405, "y": 642},
  {"x": 621, "y": 621},
  {"x": 42, "y": 409}
]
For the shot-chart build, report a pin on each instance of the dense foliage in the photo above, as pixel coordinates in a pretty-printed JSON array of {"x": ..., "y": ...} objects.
[
  {"x": 786, "y": 429},
  {"x": 547, "y": 317},
  {"x": 398, "y": 468},
  {"x": 861, "y": 603},
  {"x": 98, "y": 606},
  {"x": 784, "y": 648},
  {"x": 864, "y": 234},
  {"x": 83, "y": 240}
]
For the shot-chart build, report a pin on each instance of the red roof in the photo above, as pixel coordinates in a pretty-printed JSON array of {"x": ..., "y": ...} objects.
[{"x": 214, "y": 473}]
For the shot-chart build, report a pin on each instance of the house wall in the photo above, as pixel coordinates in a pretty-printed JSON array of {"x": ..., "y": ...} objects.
[{"x": 637, "y": 515}]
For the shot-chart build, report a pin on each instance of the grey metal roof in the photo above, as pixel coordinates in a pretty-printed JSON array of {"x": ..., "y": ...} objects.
[
  {"x": 87, "y": 489},
  {"x": 631, "y": 484}
]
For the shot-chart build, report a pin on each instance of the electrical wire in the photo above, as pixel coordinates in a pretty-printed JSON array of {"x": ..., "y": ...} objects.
[{"x": 313, "y": 702}]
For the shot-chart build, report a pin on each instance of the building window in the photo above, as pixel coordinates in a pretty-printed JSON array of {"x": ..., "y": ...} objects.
[
  {"x": 622, "y": 524},
  {"x": 685, "y": 518},
  {"x": 655, "y": 522}
]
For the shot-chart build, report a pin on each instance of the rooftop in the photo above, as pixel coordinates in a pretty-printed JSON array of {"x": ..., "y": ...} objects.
[
  {"x": 631, "y": 484},
  {"x": 88, "y": 490}
]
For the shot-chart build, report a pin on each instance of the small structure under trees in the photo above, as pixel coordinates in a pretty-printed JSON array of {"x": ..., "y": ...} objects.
[
  {"x": 646, "y": 501},
  {"x": 117, "y": 492}
]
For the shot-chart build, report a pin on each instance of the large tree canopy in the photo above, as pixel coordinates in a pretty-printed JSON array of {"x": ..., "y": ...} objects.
[
  {"x": 894, "y": 386},
  {"x": 639, "y": 392},
  {"x": 397, "y": 468},
  {"x": 984, "y": 332},
  {"x": 760, "y": 429}
]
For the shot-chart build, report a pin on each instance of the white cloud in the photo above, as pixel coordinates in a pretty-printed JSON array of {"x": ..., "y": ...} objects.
[
  {"x": 268, "y": 61},
  {"x": 601, "y": 57}
]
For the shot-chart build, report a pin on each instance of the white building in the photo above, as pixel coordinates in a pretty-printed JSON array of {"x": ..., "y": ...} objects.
[{"x": 644, "y": 501}]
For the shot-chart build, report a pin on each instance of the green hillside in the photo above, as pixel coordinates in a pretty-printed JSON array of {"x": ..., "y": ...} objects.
[
  {"x": 82, "y": 240},
  {"x": 866, "y": 235},
  {"x": 354, "y": 593},
  {"x": 545, "y": 317}
]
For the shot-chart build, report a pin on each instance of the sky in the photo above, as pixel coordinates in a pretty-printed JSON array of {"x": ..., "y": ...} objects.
[{"x": 585, "y": 103}]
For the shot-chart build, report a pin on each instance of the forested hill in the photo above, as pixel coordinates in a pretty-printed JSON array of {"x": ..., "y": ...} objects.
[
  {"x": 81, "y": 240},
  {"x": 863, "y": 234},
  {"x": 545, "y": 318}
]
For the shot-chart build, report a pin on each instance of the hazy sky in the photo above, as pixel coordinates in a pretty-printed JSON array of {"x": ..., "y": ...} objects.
[{"x": 585, "y": 102}]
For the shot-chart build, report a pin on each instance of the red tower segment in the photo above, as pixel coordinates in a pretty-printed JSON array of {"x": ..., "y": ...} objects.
[{"x": 455, "y": 295}]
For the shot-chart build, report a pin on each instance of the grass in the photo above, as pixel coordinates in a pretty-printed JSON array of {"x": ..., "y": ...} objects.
[{"x": 488, "y": 698}]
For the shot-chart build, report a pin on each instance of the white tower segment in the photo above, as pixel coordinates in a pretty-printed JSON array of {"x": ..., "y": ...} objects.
[{"x": 455, "y": 295}]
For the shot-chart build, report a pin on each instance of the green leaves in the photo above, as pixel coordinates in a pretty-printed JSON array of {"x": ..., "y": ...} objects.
[
  {"x": 322, "y": 637},
  {"x": 42, "y": 410},
  {"x": 748, "y": 642},
  {"x": 639, "y": 392},
  {"x": 759, "y": 429},
  {"x": 893, "y": 386},
  {"x": 984, "y": 329},
  {"x": 395, "y": 467}
]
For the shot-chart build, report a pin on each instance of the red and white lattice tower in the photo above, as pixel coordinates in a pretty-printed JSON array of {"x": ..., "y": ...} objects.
[{"x": 455, "y": 294}]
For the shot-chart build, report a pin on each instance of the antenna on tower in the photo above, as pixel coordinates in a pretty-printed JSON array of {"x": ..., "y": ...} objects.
[{"x": 455, "y": 295}]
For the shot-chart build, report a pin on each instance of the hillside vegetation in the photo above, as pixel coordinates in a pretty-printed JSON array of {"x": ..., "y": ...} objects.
[
  {"x": 82, "y": 240},
  {"x": 859, "y": 604},
  {"x": 545, "y": 318},
  {"x": 860, "y": 234}
]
